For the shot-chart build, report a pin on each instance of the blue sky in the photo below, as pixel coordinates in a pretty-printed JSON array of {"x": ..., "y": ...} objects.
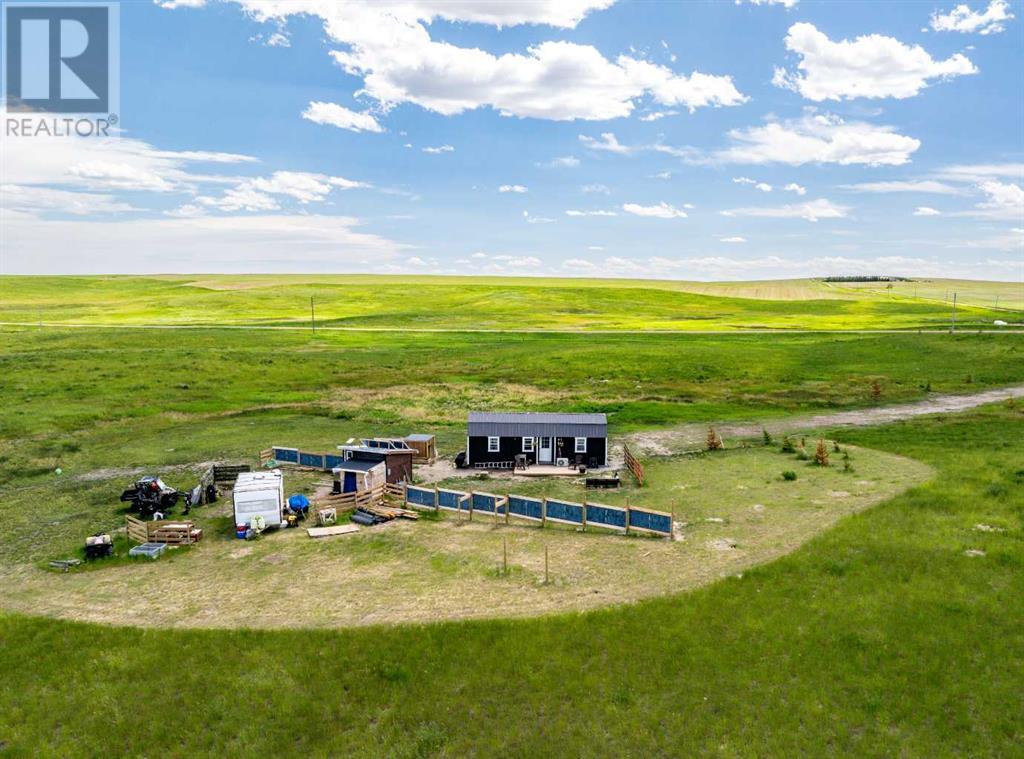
[{"x": 697, "y": 140}]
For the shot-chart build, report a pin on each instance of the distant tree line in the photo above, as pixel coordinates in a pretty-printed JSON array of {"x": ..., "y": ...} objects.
[{"x": 868, "y": 279}]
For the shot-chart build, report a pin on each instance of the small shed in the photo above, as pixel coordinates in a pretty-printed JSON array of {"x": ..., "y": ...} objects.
[
  {"x": 425, "y": 447},
  {"x": 354, "y": 476},
  {"x": 397, "y": 461}
]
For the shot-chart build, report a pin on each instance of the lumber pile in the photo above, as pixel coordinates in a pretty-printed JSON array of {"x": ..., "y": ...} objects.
[
  {"x": 390, "y": 512},
  {"x": 327, "y": 532}
]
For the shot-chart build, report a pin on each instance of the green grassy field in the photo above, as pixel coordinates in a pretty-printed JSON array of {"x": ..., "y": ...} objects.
[
  {"x": 899, "y": 631},
  {"x": 425, "y": 303}
]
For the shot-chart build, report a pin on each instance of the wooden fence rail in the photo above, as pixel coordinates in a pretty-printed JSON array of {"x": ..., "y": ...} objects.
[
  {"x": 170, "y": 531},
  {"x": 634, "y": 466}
]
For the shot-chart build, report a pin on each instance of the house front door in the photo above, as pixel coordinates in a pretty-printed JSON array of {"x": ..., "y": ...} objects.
[{"x": 544, "y": 452}]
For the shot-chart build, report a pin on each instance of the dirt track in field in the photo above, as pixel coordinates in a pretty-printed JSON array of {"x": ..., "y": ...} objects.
[{"x": 685, "y": 437}]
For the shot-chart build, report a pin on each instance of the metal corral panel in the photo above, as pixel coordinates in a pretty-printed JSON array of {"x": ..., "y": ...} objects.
[
  {"x": 419, "y": 496},
  {"x": 332, "y": 460},
  {"x": 539, "y": 424},
  {"x": 315, "y": 460},
  {"x": 606, "y": 516},
  {"x": 651, "y": 520},
  {"x": 449, "y": 499},
  {"x": 290, "y": 455},
  {"x": 484, "y": 502},
  {"x": 562, "y": 511},
  {"x": 529, "y": 508}
]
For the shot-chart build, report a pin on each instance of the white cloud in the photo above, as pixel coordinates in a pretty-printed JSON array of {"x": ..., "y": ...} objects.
[
  {"x": 926, "y": 211},
  {"x": 172, "y": 4},
  {"x": 388, "y": 45},
  {"x": 981, "y": 172},
  {"x": 339, "y": 116},
  {"x": 562, "y": 162},
  {"x": 1005, "y": 201},
  {"x": 871, "y": 66},
  {"x": 818, "y": 138},
  {"x": 608, "y": 143},
  {"x": 794, "y": 187},
  {"x": 923, "y": 185},
  {"x": 241, "y": 198},
  {"x": 655, "y": 115},
  {"x": 812, "y": 210},
  {"x": 122, "y": 163},
  {"x": 733, "y": 239},
  {"x": 963, "y": 19},
  {"x": 590, "y": 213},
  {"x": 255, "y": 194},
  {"x": 784, "y": 3},
  {"x": 1011, "y": 241},
  {"x": 662, "y": 175},
  {"x": 744, "y": 180},
  {"x": 271, "y": 243},
  {"x": 32, "y": 199},
  {"x": 661, "y": 211},
  {"x": 596, "y": 188},
  {"x": 517, "y": 188},
  {"x": 530, "y": 219},
  {"x": 439, "y": 149},
  {"x": 763, "y": 187}
]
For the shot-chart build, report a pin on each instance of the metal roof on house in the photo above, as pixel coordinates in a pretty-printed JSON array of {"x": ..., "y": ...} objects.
[
  {"x": 357, "y": 465},
  {"x": 540, "y": 423}
]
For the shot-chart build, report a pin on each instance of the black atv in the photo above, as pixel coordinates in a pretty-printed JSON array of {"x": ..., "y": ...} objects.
[{"x": 150, "y": 495}]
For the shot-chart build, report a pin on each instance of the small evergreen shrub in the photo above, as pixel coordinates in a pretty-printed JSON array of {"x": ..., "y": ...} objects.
[{"x": 789, "y": 475}]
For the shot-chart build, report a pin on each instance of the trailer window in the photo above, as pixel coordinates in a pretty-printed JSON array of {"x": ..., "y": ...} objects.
[
  {"x": 581, "y": 445},
  {"x": 527, "y": 445},
  {"x": 493, "y": 444},
  {"x": 256, "y": 507}
]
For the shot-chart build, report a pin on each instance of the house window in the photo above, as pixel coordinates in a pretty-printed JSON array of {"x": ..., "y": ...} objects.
[
  {"x": 527, "y": 445},
  {"x": 493, "y": 444},
  {"x": 581, "y": 445}
]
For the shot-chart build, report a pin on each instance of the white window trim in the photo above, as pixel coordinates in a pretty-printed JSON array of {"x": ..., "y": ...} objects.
[
  {"x": 577, "y": 448},
  {"x": 493, "y": 444},
  {"x": 528, "y": 444}
]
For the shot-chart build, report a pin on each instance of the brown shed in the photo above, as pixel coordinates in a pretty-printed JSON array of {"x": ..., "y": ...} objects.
[
  {"x": 425, "y": 447},
  {"x": 398, "y": 461}
]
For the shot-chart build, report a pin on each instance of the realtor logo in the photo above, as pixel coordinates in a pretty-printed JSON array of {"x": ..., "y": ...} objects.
[{"x": 60, "y": 58}]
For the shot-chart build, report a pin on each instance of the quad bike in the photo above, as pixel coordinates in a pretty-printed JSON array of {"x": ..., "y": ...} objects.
[{"x": 150, "y": 495}]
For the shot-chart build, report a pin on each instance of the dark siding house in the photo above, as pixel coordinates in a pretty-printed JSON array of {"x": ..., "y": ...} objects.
[{"x": 495, "y": 439}]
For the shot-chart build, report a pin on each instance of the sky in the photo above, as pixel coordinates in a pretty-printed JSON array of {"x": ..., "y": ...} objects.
[{"x": 701, "y": 140}]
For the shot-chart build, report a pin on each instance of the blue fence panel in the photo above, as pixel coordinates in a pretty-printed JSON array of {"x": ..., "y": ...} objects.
[
  {"x": 483, "y": 502},
  {"x": 654, "y": 522},
  {"x": 419, "y": 496},
  {"x": 288, "y": 455},
  {"x": 449, "y": 499},
  {"x": 531, "y": 508},
  {"x": 332, "y": 460},
  {"x": 315, "y": 460},
  {"x": 606, "y": 516},
  {"x": 565, "y": 512}
]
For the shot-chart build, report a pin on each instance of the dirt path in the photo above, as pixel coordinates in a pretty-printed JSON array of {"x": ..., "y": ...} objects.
[{"x": 665, "y": 442}]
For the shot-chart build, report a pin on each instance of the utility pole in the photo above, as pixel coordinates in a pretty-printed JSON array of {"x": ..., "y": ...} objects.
[
  {"x": 952, "y": 327},
  {"x": 312, "y": 314}
]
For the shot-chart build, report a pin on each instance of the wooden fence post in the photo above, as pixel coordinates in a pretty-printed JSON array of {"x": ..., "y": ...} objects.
[
  {"x": 543, "y": 511},
  {"x": 507, "y": 496},
  {"x": 627, "y": 515},
  {"x": 437, "y": 501},
  {"x": 583, "y": 513},
  {"x": 471, "y": 494}
]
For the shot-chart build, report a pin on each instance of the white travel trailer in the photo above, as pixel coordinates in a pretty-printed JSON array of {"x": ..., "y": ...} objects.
[{"x": 262, "y": 494}]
